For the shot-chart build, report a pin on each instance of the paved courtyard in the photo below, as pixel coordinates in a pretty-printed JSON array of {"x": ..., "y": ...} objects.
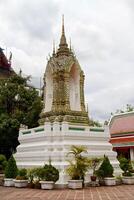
[{"x": 123, "y": 192}]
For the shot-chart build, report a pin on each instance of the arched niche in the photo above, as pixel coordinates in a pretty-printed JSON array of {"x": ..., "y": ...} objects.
[
  {"x": 48, "y": 94},
  {"x": 74, "y": 88}
]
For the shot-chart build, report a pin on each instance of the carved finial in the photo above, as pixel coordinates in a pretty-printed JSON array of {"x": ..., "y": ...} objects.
[
  {"x": 53, "y": 47},
  {"x": 10, "y": 58},
  {"x": 49, "y": 161},
  {"x": 20, "y": 72},
  {"x": 70, "y": 45}
]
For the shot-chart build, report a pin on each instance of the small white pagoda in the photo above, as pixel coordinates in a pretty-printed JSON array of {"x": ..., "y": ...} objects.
[{"x": 64, "y": 119}]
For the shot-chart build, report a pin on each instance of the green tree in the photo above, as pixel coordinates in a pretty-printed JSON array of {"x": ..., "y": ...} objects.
[
  {"x": 129, "y": 108},
  {"x": 105, "y": 169},
  {"x": 126, "y": 166},
  {"x": 11, "y": 168},
  {"x": 19, "y": 104}
]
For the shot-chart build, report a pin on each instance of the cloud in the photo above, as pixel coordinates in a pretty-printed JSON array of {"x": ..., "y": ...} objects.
[{"x": 102, "y": 36}]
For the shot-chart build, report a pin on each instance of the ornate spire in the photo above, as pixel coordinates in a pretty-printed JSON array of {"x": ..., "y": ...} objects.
[
  {"x": 63, "y": 46},
  {"x": 63, "y": 37}
]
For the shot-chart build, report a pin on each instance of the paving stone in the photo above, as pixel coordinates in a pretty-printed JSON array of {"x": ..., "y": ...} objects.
[{"x": 122, "y": 192}]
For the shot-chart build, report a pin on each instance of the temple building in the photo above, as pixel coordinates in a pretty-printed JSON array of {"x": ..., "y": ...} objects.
[
  {"x": 122, "y": 134},
  {"x": 5, "y": 66},
  {"x": 64, "y": 87},
  {"x": 64, "y": 120}
]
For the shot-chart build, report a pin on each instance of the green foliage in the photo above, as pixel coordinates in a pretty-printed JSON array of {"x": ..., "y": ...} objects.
[
  {"x": 47, "y": 173},
  {"x": 9, "y": 131},
  {"x": 35, "y": 174},
  {"x": 22, "y": 174},
  {"x": 95, "y": 162},
  {"x": 19, "y": 104},
  {"x": 11, "y": 168},
  {"x": 50, "y": 173},
  {"x": 79, "y": 164},
  {"x": 3, "y": 162},
  {"x": 106, "y": 169},
  {"x": 129, "y": 108},
  {"x": 94, "y": 123},
  {"x": 126, "y": 166},
  {"x": 30, "y": 175}
]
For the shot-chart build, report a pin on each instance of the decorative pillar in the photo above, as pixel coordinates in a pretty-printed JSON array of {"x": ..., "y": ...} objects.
[
  {"x": 82, "y": 101},
  {"x": 131, "y": 154},
  {"x": 66, "y": 91}
]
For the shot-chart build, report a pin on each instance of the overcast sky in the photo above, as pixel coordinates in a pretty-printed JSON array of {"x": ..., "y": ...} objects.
[{"x": 102, "y": 35}]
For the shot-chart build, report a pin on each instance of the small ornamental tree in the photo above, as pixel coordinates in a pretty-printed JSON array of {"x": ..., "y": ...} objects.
[
  {"x": 22, "y": 174},
  {"x": 11, "y": 168},
  {"x": 50, "y": 173},
  {"x": 79, "y": 163},
  {"x": 106, "y": 169},
  {"x": 126, "y": 166}
]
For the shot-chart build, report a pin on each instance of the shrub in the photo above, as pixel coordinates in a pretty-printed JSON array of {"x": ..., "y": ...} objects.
[
  {"x": 126, "y": 166},
  {"x": 30, "y": 175},
  {"x": 11, "y": 168},
  {"x": 106, "y": 169},
  {"x": 50, "y": 173},
  {"x": 22, "y": 174},
  {"x": 3, "y": 162},
  {"x": 35, "y": 174}
]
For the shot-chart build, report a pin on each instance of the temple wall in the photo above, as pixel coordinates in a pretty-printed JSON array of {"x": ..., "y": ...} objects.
[{"x": 40, "y": 144}]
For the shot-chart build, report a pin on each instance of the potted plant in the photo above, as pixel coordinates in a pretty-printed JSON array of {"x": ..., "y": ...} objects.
[
  {"x": 3, "y": 163},
  {"x": 21, "y": 179},
  {"x": 93, "y": 165},
  {"x": 34, "y": 176},
  {"x": 78, "y": 166},
  {"x": 49, "y": 175},
  {"x": 126, "y": 166},
  {"x": 10, "y": 172},
  {"x": 105, "y": 172},
  {"x": 30, "y": 175}
]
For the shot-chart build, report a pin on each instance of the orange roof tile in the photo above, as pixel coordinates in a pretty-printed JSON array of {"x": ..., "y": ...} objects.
[{"x": 122, "y": 123}]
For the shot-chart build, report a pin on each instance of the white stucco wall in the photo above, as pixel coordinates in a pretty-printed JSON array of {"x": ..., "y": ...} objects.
[{"x": 54, "y": 141}]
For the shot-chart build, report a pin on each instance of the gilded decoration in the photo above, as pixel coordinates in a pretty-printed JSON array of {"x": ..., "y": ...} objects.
[{"x": 59, "y": 66}]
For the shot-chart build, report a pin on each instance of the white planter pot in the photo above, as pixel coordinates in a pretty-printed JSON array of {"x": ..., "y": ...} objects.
[
  {"x": 128, "y": 180},
  {"x": 8, "y": 182},
  {"x": 75, "y": 184},
  {"x": 109, "y": 181},
  {"x": 20, "y": 183},
  {"x": 47, "y": 185}
]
